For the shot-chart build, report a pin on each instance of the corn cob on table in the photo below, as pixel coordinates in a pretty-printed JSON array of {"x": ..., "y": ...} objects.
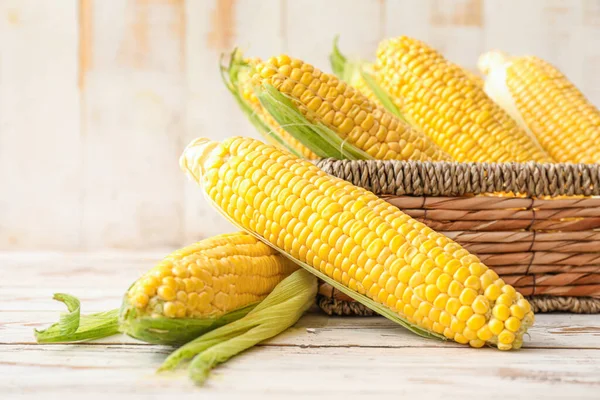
[{"x": 329, "y": 355}]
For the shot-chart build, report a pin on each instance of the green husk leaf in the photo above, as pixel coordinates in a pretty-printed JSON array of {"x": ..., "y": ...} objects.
[
  {"x": 172, "y": 331},
  {"x": 339, "y": 62},
  {"x": 378, "y": 308},
  {"x": 231, "y": 75},
  {"x": 321, "y": 140},
  {"x": 345, "y": 70},
  {"x": 278, "y": 311},
  {"x": 68, "y": 322},
  {"x": 381, "y": 95},
  {"x": 72, "y": 327}
]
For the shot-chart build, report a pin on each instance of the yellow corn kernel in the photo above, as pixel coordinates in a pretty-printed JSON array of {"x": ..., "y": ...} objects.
[
  {"x": 445, "y": 318},
  {"x": 475, "y": 322},
  {"x": 469, "y": 334},
  {"x": 453, "y": 305},
  {"x": 459, "y": 338},
  {"x": 524, "y": 305},
  {"x": 139, "y": 300},
  {"x": 464, "y": 313},
  {"x": 485, "y": 333},
  {"x": 467, "y": 296},
  {"x": 492, "y": 292},
  {"x": 167, "y": 293},
  {"x": 443, "y": 282},
  {"x": 480, "y": 305},
  {"x": 504, "y": 347},
  {"x": 455, "y": 289},
  {"x": 496, "y": 326},
  {"x": 501, "y": 312},
  {"x": 472, "y": 282},
  {"x": 505, "y": 299},
  {"x": 512, "y": 324},
  {"x": 506, "y": 337},
  {"x": 431, "y": 293},
  {"x": 440, "y": 301},
  {"x": 517, "y": 311},
  {"x": 457, "y": 325}
]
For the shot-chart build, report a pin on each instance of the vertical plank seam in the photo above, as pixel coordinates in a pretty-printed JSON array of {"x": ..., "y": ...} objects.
[
  {"x": 184, "y": 110},
  {"x": 382, "y": 19},
  {"x": 283, "y": 25},
  {"x": 85, "y": 61}
]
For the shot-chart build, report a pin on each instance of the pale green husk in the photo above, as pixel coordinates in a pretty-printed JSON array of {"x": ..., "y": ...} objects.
[
  {"x": 172, "y": 331},
  {"x": 346, "y": 70},
  {"x": 278, "y": 311},
  {"x": 72, "y": 327},
  {"x": 321, "y": 140},
  {"x": 496, "y": 88}
]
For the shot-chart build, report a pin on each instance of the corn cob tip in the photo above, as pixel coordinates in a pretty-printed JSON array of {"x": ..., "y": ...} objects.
[
  {"x": 194, "y": 157},
  {"x": 490, "y": 60}
]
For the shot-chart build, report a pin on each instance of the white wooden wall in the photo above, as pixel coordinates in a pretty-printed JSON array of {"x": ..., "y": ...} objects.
[{"x": 99, "y": 97}]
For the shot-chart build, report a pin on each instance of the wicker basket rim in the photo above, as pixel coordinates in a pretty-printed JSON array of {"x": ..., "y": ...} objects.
[{"x": 442, "y": 178}]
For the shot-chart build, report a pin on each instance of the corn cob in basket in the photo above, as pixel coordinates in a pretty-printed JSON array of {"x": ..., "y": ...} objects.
[
  {"x": 325, "y": 115},
  {"x": 546, "y": 103},
  {"x": 358, "y": 243}
]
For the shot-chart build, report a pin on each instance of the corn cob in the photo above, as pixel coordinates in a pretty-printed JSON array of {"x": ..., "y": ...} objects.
[
  {"x": 205, "y": 281},
  {"x": 323, "y": 99},
  {"x": 357, "y": 242},
  {"x": 449, "y": 107},
  {"x": 546, "y": 103},
  {"x": 193, "y": 290}
]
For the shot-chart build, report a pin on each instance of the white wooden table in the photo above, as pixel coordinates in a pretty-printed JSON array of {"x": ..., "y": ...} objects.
[{"x": 320, "y": 357}]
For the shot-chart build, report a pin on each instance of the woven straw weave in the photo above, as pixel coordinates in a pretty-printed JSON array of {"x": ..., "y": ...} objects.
[{"x": 541, "y": 242}]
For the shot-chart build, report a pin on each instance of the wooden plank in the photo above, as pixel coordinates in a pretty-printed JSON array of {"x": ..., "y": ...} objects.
[
  {"x": 274, "y": 372},
  {"x": 100, "y": 280},
  {"x": 40, "y": 157},
  {"x": 215, "y": 27},
  {"x": 332, "y": 357},
  {"x": 317, "y": 329},
  {"x": 588, "y": 44},
  {"x": 453, "y": 27},
  {"x": 133, "y": 93},
  {"x": 311, "y": 27},
  {"x": 101, "y": 269}
]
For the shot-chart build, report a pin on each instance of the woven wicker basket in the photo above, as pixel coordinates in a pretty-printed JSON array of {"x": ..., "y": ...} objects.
[{"x": 545, "y": 245}]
